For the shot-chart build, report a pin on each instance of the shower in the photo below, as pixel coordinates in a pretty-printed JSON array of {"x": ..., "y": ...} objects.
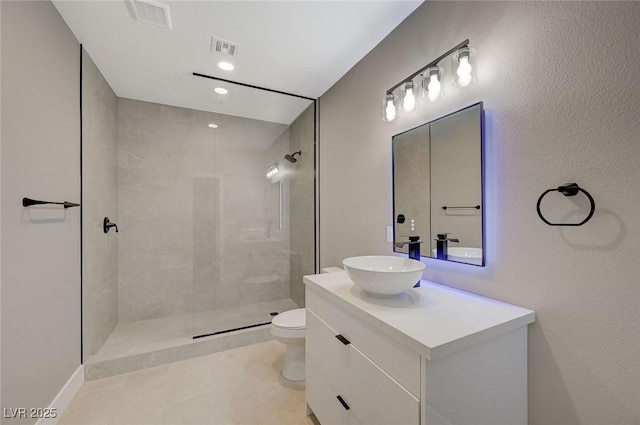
[
  {"x": 292, "y": 158},
  {"x": 201, "y": 288}
]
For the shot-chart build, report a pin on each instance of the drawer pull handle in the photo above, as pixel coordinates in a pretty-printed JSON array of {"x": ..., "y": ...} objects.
[
  {"x": 343, "y": 340},
  {"x": 344, "y": 403}
]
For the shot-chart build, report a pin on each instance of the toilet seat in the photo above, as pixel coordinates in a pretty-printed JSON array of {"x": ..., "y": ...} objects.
[
  {"x": 292, "y": 319},
  {"x": 290, "y": 324}
]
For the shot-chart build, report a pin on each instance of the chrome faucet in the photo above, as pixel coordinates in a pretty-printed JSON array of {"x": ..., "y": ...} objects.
[
  {"x": 414, "y": 250},
  {"x": 442, "y": 245}
]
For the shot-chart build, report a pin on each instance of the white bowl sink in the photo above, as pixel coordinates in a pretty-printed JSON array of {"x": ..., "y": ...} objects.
[{"x": 382, "y": 274}]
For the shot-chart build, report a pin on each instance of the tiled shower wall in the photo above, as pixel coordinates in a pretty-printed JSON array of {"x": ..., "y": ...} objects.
[
  {"x": 194, "y": 211},
  {"x": 99, "y": 200}
]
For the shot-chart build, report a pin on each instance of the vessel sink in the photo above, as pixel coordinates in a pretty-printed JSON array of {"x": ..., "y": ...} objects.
[{"x": 383, "y": 275}]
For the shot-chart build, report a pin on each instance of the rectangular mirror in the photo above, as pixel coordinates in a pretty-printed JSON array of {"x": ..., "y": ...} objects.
[{"x": 438, "y": 187}]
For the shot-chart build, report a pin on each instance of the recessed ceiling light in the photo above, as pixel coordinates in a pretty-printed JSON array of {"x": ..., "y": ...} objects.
[
  {"x": 227, "y": 66},
  {"x": 221, "y": 90},
  {"x": 212, "y": 125}
]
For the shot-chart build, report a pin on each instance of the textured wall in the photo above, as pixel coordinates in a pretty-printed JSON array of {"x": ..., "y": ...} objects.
[
  {"x": 559, "y": 82},
  {"x": 40, "y": 246},
  {"x": 99, "y": 200},
  {"x": 192, "y": 211}
]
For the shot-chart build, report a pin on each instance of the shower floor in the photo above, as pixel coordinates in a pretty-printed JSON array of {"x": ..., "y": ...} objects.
[{"x": 148, "y": 343}]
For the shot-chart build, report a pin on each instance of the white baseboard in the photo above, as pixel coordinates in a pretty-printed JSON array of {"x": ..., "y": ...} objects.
[{"x": 64, "y": 397}]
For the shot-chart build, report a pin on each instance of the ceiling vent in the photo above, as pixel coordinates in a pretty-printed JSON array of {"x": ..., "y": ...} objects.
[
  {"x": 151, "y": 12},
  {"x": 224, "y": 47}
]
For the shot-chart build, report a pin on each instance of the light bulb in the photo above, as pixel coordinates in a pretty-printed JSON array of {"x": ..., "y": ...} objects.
[
  {"x": 433, "y": 89},
  {"x": 464, "y": 68},
  {"x": 390, "y": 109},
  {"x": 409, "y": 99},
  {"x": 464, "y": 71}
]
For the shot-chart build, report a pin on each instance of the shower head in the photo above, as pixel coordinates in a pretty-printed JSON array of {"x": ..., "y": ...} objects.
[{"x": 292, "y": 158}]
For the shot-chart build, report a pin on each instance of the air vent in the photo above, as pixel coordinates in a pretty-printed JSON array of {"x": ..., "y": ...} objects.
[
  {"x": 151, "y": 12},
  {"x": 224, "y": 47}
]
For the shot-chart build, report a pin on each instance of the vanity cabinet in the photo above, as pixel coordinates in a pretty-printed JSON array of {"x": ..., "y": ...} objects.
[
  {"x": 340, "y": 357},
  {"x": 430, "y": 356}
]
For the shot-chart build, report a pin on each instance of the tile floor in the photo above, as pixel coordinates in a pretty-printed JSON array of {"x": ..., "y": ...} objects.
[{"x": 242, "y": 386}]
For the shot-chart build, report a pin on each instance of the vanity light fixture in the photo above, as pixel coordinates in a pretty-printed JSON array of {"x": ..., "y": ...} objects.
[{"x": 430, "y": 78}]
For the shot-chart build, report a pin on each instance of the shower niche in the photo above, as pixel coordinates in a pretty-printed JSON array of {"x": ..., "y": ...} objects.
[{"x": 216, "y": 225}]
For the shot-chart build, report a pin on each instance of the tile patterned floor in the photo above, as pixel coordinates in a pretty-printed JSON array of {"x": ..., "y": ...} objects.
[{"x": 242, "y": 386}]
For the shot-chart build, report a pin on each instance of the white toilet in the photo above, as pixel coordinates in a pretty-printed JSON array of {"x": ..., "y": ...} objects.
[{"x": 289, "y": 328}]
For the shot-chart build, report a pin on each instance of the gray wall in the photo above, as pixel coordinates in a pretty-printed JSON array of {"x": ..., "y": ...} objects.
[
  {"x": 302, "y": 204},
  {"x": 40, "y": 246},
  {"x": 99, "y": 200},
  {"x": 562, "y": 96}
]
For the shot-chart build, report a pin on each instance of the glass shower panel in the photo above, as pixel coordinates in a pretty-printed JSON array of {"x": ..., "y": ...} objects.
[{"x": 245, "y": 192}]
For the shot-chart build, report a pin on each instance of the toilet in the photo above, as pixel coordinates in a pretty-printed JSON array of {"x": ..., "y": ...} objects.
[{"x": 289, "y": 328}]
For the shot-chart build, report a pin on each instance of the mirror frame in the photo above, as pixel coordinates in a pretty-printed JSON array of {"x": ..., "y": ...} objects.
[{"x": 482, "y": 184}]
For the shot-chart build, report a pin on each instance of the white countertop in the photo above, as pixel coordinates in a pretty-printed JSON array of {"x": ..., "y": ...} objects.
[{"x": 434, "y": 320}]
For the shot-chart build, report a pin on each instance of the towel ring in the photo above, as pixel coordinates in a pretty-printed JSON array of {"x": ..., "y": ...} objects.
[{"x": 569, "y": 189}]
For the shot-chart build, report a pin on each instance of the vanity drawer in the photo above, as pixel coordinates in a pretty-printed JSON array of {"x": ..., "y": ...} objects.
[
  {"x": 322, "y": 399},
  {"x": 395, "y": 359},
  {"x": 374, "y": 397}
]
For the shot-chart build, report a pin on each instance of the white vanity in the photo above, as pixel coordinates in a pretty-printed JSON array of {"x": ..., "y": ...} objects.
[{"x": 432, "y": 355}]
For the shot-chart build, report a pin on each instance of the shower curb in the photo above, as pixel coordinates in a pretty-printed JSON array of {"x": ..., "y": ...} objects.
[{"x": 195, "y": 348}]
